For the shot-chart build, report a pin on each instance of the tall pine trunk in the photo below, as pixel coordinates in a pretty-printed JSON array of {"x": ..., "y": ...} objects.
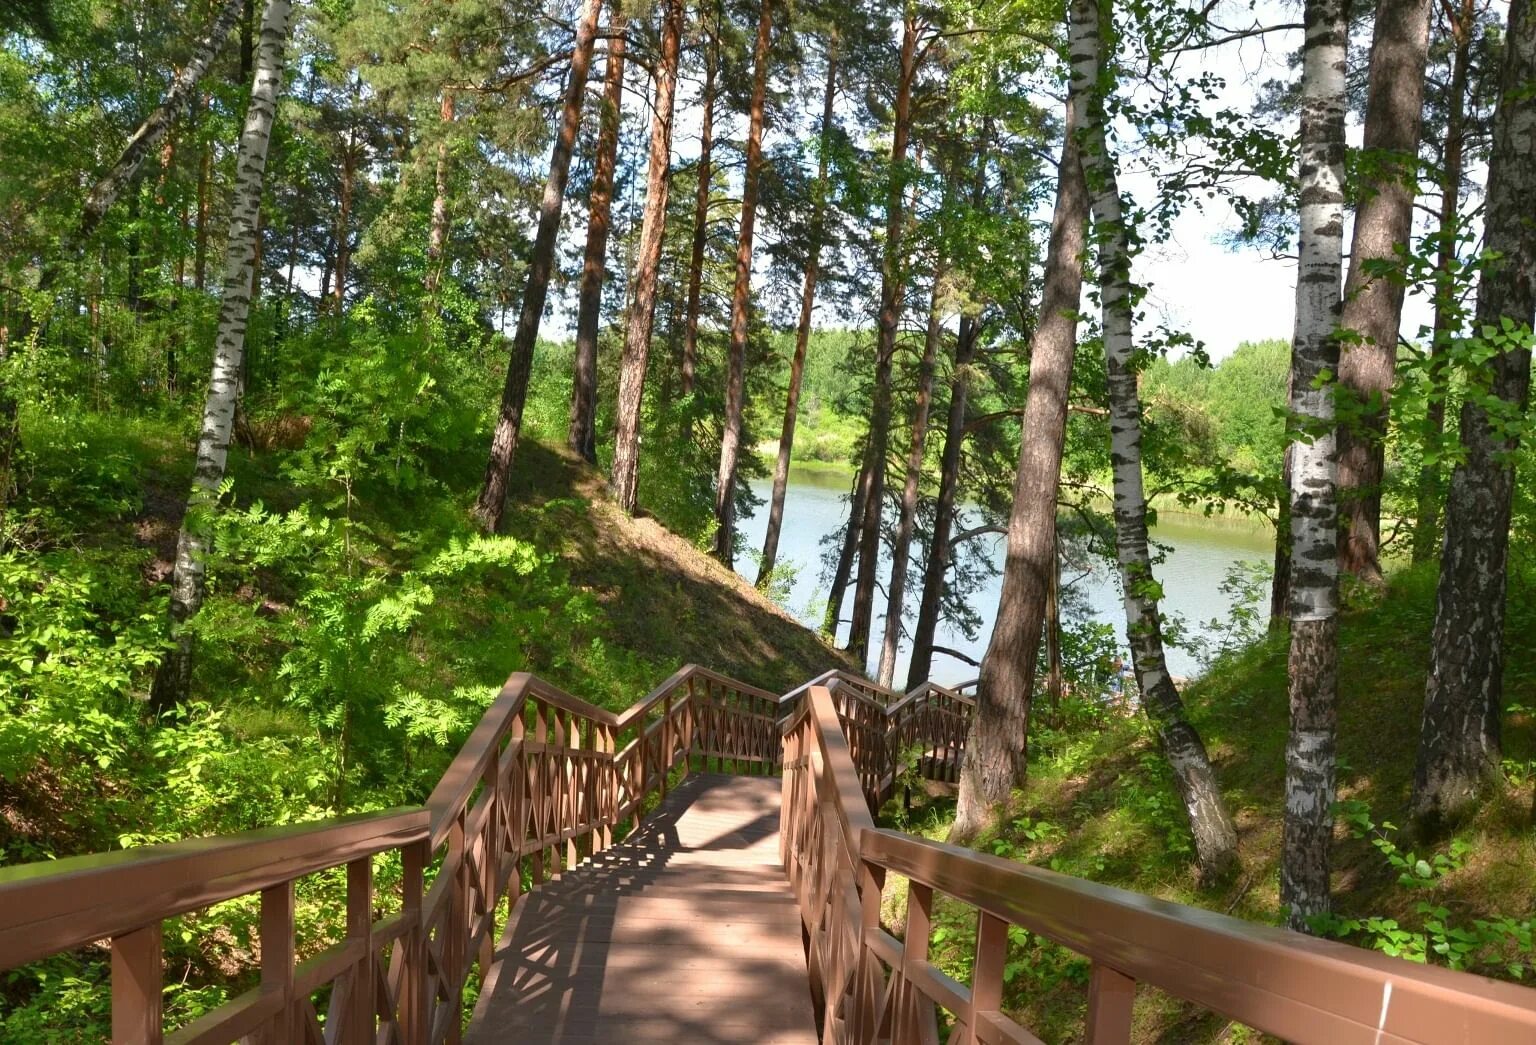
[
  {"x": 996, "y": 747},
  {"x": 1373, "y": 304},
  {"x": 581, "y": 437},
  {"x": 847, "y": 551},
  {"x": 770, "y": 555},
  {"x": 701, "y": 209},
  {"x": 437, "y": 229},
  {"x": 936, "y": 564},
  {"x": 892, "y": 278},
  {"x": 906, "y": 518},
  {"x": 741, "y": 301},
  {"x": 188, "y": 581},
  {"x": 1313, "y": 667},
  {"x": 1209, "y": 822},
  {"x": 1426, "y": 516},
  {"x": 637, "y": 338},
  {"x": 491, "y": 505},
  {"x": 178, "y": 98},
  {"x": 1460, "y": 745}
]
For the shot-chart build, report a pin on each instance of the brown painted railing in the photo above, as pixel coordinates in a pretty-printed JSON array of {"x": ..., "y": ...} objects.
[
  {"x": 543, "y": 780},
  {"x": 871, "y": 986}
]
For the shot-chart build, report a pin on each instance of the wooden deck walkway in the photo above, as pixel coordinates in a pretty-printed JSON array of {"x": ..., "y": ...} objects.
[{"x": 687, "y": 931}]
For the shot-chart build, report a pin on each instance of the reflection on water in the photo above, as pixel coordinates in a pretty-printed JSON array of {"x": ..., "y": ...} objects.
[{"x": 1199, "y": 554}]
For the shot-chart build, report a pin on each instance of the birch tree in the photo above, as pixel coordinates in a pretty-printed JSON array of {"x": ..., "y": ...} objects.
[
  {"x": 1209, "y": 822},
  {"x": 637, "y": 338},
  {"x": 1313, "y": 662},
  {"x": 1460, "y": 743},
  {"x": 189, "y": 577}
]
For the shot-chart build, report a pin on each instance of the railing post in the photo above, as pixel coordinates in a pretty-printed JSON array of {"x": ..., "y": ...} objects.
[
  {"x": 358, "y": 1028},
  {"x": 414, "y": 994},
  {"x": 609, "y": 776},
  {"x": 137, "y": 989},
  {"x": 490, "y": 861},
  {"x": 987, "y": 972},
  {"x": 277, "y": 959},
  {"x": 1111, "y": 995},
  {"x": 664, "y": 763}
]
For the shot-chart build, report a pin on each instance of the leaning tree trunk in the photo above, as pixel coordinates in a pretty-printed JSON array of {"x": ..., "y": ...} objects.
[
  {"x": 891, "y": 282},
  {"x": 582, "y": 434},
  {"x": 1460, "y": 743},
  {"x": 1209, "y": 823},
  {"x": 1313, "y": 668},
  {"x": 847, "y": 552},
  {"x": 770, "y": 555},
  {"x": 906, "y": 519},
  {"x": 491, "y": 505},
  {"x": 1447, "y": 301},
  {"x": 1373, "y": 303},
  {"x": 188, "y": 581},
  {"x": 936, "y": 565},
  {"x": 741, "y": 302},
  {"x": 701, "y": 211},
  {"x": 637, "y": 339},
  {"x": 177, "y": 99},
  {"x": 996, "y": 747}
]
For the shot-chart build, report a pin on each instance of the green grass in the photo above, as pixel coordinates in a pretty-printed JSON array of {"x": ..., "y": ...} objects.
[{"x": 1100, "y": 804}]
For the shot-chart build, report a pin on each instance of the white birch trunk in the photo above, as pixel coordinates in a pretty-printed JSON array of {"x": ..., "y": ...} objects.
[
  {"x": 1309, "y": 756},
  {"x": 1215, "y": 837},
  {"x": 177, "y": 97},
  {"x": 188, "y": 579}
]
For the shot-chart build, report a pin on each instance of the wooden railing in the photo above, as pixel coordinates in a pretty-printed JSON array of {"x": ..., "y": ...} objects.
[
  {"x": 544, "y": 780},
  {"x": 871, "y": 986}
]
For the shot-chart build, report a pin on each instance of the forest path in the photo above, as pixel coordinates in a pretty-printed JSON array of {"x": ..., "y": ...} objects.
[{"x": 686, "y": 931}]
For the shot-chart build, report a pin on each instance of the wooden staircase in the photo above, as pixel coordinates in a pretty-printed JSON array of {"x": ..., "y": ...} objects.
[{"x": 704, "y": 866}]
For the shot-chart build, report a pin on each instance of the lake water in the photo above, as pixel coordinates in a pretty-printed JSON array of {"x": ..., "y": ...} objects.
[{"x": 1200, "y": 552}]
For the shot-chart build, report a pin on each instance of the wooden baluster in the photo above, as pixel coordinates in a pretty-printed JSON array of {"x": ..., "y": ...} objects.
[
  {"x": 137, "y": 988},
  {"x": 359, "y": 1026},
  {"x": 1111, "y": 995},
  {"x": 541, "y": 789},
  {"x": 987, "y": 972},
  {"x": 909, "y": 1003},
  {"x": 665, "y": 762},
  {"x": 610, "y": 791},
  {"x": 277, "y": 961},
  {"x": 415, "y": 995},
  {"x": 866, "y": 967},
  {"x": 456, "y": 925},
  {"x": 490, "y": 861},
  {"x": 572, "y": 789}
]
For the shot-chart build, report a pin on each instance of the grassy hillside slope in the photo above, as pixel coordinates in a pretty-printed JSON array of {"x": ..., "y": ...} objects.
[{"x": 1100, "y": 804}]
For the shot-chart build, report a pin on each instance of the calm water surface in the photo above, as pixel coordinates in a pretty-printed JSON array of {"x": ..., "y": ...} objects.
[{"x": 1201, "y": 551}]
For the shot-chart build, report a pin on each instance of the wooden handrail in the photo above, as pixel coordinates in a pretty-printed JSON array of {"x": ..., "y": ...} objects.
[
  {"x": 56, "y": 905},
  {"x": 1297, "y": 987},
  {"x": 543, "y": 780}
]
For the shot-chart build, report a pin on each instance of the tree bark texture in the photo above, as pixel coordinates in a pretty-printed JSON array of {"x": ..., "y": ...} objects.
[
  {"x": 491, "y": 505},
  {"x": 892, "y": 278},
  {"x": 936, "y": 563},
  {"x": 996, "y": 748},
  {"x": 437, "y": 231},
  {"x": 582, "y": 433},
  {"x": 1460, "y": 742},
  {"x": 701, "y": 211},
  {"x": 770, "y": 555},
  {"x": 741, "y": 301},
  {"x": 1309, "y": 770},
  {"x": 1373, "y": 304},
  {"x": 637, "y": 337},
  {"x": 1426, "y": 516},
  {"x": 1209, "y": 823},
  {"x": 188, "y": 579},
  {"x": 178, "y": 97},
  {"x": 906, "y": 518}
]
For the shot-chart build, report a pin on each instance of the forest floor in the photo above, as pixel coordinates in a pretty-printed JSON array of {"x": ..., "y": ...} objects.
[{"x": 1100, "y": 804}]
